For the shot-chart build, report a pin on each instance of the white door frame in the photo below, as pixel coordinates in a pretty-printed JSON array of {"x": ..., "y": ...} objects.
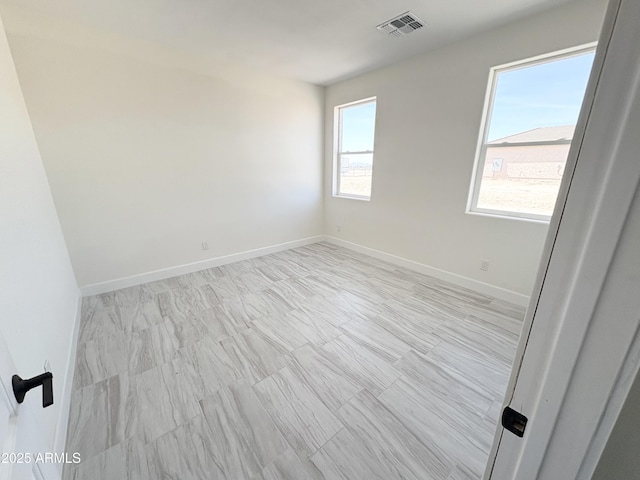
[{"x": 576, "y": 363}]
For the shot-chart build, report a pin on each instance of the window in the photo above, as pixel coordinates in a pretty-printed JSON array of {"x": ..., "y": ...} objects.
[
  {"x": 530, "y": 116},
  {"x": 353, "y": 164}
]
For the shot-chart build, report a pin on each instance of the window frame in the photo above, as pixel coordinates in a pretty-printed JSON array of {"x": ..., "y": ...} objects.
[
  {"x": 337, "y": 149},
  {"x": 487, "y": 114}
]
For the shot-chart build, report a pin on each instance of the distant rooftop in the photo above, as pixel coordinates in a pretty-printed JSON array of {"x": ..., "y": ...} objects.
[{"x": 541, "y": 134}]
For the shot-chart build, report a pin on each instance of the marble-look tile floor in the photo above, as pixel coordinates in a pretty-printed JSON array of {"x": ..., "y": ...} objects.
[{"x": 312, "y": 363}]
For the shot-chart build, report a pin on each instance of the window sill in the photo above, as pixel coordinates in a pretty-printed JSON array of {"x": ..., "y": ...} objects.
[
  {"x": 505, "y": 216},
  {"x": 353, "y": 197}
]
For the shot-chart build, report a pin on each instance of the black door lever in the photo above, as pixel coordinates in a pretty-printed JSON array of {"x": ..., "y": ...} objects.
[{"x": 21, "y": 387}]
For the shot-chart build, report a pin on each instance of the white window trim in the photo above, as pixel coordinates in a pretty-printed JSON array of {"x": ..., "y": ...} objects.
[
  {"x": 337, "y": 137},
  {"x": 487, "y": 113}
]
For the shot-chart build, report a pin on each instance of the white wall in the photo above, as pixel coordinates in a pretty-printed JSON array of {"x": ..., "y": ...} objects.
[
  {"x": 38, "y": 292},
  {"x": 149, "y": 153},
  {"x": 428, "y": 119}
]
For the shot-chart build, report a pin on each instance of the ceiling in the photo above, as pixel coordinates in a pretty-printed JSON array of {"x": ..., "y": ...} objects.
[{"x": 318, "y": 41}]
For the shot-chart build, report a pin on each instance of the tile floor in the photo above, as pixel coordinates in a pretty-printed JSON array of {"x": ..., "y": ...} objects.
[{"x": 312, "y": 363}]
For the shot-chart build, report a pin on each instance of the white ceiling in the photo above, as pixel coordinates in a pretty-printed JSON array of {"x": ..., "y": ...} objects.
[{"x": 318, "y": 41}]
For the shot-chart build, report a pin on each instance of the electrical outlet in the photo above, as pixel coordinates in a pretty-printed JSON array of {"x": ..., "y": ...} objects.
[
  {"x": 338, "y": 228},
  {"x": 484, "y": 265},
  {"x": 205, "y": 245}
]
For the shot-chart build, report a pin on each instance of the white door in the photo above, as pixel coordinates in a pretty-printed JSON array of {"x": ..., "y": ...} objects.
[
  {"x": 22, "y": 454},
  {"x": 580, "y": 347},
  {"x": 38, "y": 293}
]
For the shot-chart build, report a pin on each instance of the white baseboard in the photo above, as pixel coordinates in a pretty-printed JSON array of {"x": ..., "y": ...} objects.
[
  {"x": 117, "y": 284},
  {"x": 60, "y": 436},
  {"x": 477, "y": 285}
]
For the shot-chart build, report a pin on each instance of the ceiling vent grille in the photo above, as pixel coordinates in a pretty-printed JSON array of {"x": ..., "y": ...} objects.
[{"x": 401, "y": 25}]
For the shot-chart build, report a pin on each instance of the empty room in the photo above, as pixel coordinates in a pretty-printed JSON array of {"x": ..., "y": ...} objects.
[{"x": 350, "y": 240}]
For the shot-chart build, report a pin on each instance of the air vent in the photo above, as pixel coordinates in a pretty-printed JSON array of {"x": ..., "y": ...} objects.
[{"x": 401, "y": 25}]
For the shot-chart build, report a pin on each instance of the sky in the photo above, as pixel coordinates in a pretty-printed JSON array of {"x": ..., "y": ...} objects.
[
  {"x": 358, "y": 124},
  {"x": 543, "y": 95}
]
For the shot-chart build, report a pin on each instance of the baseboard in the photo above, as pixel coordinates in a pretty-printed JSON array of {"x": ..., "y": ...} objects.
[
  {"x": 111, "y": 285},
  {"x": 478, "y": 286},
  {"x": 60, "y": 436}
]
